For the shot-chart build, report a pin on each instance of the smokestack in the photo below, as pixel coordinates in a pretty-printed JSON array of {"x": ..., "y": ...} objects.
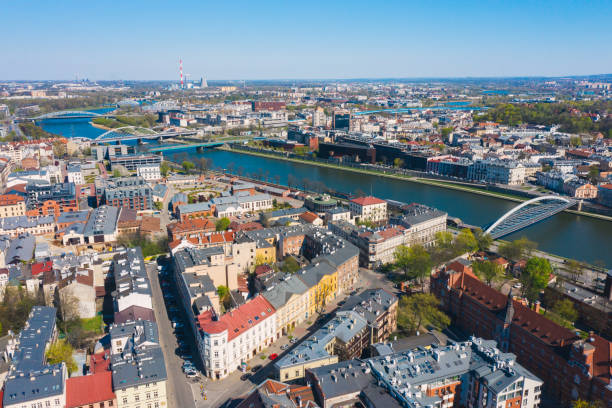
[{"x": 181, "y": 71}]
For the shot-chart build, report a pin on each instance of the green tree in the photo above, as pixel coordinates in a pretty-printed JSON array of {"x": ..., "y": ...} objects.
[
  {"x": 488, "y": 271},
  {"x": 594, "y": 174},
  {"x": 164, "y": 169},
  {"x": 418, "y": 310},
  {"x": 398, "y": 163},
  {"x": 414, "y": 261},
  {"x": 116, "y": 173},
  {"x": 565, "y": 308},
  {"x": 446, "y": 131},
  {"x": 535, "y": 277},
  {"x": 517, "y": 249},
  {"x": 444, "y": 239},
  {"x": 61, "y": 351},
  {"x": 483, "y": 239},
  {"x": 188, "y": 166},
  {"x": 465, "y": 241},
  {"x": 580, "y": 403},
  {"x": 222, "y": 224},
  {"x": 290, "y": 265}
]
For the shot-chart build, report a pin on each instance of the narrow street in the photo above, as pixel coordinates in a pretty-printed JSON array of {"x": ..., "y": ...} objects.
[{"x": 179, "y": 392}]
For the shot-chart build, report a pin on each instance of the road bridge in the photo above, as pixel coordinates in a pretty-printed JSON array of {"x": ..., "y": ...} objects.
[
  {"x": 203, "y": 145},
  {"x": 528, "y": 213}
]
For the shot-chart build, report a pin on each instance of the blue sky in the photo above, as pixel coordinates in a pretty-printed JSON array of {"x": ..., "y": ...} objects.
[{"x": 303, "y": 39}]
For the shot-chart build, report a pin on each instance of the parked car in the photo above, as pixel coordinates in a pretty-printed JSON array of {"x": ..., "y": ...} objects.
[
  {"x": 273, "y": 356},
  {"x": 284, "y": 347},
  {"x": 256, "y": 368},
  {"x": 192, "y": 374},
  {"x": 293, "y": 340},
  {"x": 244, "y": 377}
]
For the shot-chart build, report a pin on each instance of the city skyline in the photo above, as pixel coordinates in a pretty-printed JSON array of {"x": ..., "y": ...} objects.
[{"x": 143, "y": 41}]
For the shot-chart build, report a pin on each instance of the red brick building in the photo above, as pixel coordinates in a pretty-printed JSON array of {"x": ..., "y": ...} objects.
[
  {"x": 190, "y": 228},
  {"x": 570, "y": 367}
]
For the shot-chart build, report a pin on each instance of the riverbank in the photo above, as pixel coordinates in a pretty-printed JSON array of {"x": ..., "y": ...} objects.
[
  {"x": 97, "y": 126},
  {"x": 414, "y": 179}
]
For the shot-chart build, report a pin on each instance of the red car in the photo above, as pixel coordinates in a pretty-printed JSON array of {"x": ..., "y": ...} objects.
[{"x": 273, "y": 356}]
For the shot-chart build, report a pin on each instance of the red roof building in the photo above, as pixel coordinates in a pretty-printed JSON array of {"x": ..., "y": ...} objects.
[
  {"x": 570, "y": 367},
  {"x": 41, "y": 267},
  {"x": 84, "y": 391},
  {"x": 367, "y": 201}
]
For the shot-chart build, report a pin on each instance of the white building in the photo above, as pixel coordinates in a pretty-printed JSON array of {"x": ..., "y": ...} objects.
[
  {"x": 369, "y": 209},
  {"x": 236, "y": 337},
  {"x": 149, "y": 172},
  {"x": 74, "y": 174}
]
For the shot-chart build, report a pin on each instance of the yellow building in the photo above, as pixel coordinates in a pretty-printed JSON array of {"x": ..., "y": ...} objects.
[
  {"x": 265, "y": 252},
  {"x": 291, "y": 302},
  {"x": 321, "y": 279}
]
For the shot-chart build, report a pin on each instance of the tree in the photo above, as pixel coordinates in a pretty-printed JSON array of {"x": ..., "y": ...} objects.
[
  {"x": 580, "y": 403},
  {"x": 164, "y": 169},
  {"x": 446, "y": 131},
  {"x": 222, "y": 224},
  {"x": 488, "y": 271},
  {"x": 517, "y": 249},
  {"x": 465, "y": 241},
  {"x": 398, "y": 163},
  {"x": 202, "y": 164},
  {"x": 421, "y": 309},
  {"x": 188, "y": 166},
  {"x": 224, "y": 294},
  {"x": 535, "y": 277},
  {"x": 61, "y": 351},
  {"x": 574, "y": 269},
  {"x": 59, "y": 149},
  {"x": 565, "y": 308},
  {"x": 483, "y": 239},
  {"x": 444, "y": 239},
  {"x": 290, "y": 265},
  {"x": 260, "y": 260},
  {"x": 594, "y": 174},
  {"x": 116, "y": 173},
  {"x": 414, "y": 261}
]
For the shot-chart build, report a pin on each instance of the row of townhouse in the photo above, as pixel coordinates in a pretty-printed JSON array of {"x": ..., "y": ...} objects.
[
  {"x": 566, "y": 183},
  {"x": 291, "y": 300}
]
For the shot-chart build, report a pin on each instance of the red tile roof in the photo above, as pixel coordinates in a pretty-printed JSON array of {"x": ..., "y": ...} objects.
[
  {"x": 239, "y": 320},
  {"x": 10, "y": 199},
  {"x": 99, "y": 362},
  {"x": 89, "y": 389},
  {"x": 367, "y": 201},
  {"x": 309, "y": 217},
  {"x": 528, "y": 320},
  {"x": 602, "y": 359},
  {"x": 41, "y": 267}
]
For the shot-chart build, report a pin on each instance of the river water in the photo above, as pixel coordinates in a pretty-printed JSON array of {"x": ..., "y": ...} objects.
[{"x": 573, "y": 236}]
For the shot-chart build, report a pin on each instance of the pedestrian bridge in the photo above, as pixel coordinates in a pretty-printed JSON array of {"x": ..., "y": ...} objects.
[{"x": 528, "y": 213}]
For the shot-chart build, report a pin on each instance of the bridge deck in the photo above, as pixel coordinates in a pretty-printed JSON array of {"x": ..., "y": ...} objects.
[{"x": 528, "y": 216}]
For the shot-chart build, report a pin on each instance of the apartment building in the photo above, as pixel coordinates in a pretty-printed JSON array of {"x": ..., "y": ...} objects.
[
  {"x": 39, "y": 225},
  {"x": 131, "y": 281},
  {"x": 133, "y": 161},
  {"x": 129, "y": 192},
  {"x": 149, "y": 172},
  {"x": 422, "y": 223},
  {"x": 74, "y": 174},
  {"x": 497, "y": 172},
  {"x": 379, "y": 308},
  {"x": 241, "y": 203},
  {"x": 30, "y": 381},
  {"x": 212, "y": 262},
  {"x": 369, "y": 209},
  {"x": 137, "y": 365},
  {"x": 12, "y": 205},
  {"x": 231, "y": 340},
  {"x": 469, "y": 374},
  {"x": 51, "y": 199},
  {"x": 342, "y": 338}
]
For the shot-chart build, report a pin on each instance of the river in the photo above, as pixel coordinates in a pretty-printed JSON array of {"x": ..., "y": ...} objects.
[{"x": 569, "y": 235}]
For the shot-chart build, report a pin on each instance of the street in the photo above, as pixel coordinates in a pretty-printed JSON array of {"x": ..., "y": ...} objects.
[{"x": 179, "y": 392}]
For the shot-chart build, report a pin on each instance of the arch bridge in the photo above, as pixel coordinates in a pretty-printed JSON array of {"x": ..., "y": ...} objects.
[
  {"x": 528, "y": 213},
  {"x": 71, "y": 115},
  {"x": 138, "y": 133}
]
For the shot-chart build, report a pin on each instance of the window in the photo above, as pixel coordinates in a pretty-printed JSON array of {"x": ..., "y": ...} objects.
[
  {"x": 148, "y": 395},
  {"x": 137, "y": 397},
  {"x": 125, "y": 400},
  {"x": 154, "y": 394}
]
